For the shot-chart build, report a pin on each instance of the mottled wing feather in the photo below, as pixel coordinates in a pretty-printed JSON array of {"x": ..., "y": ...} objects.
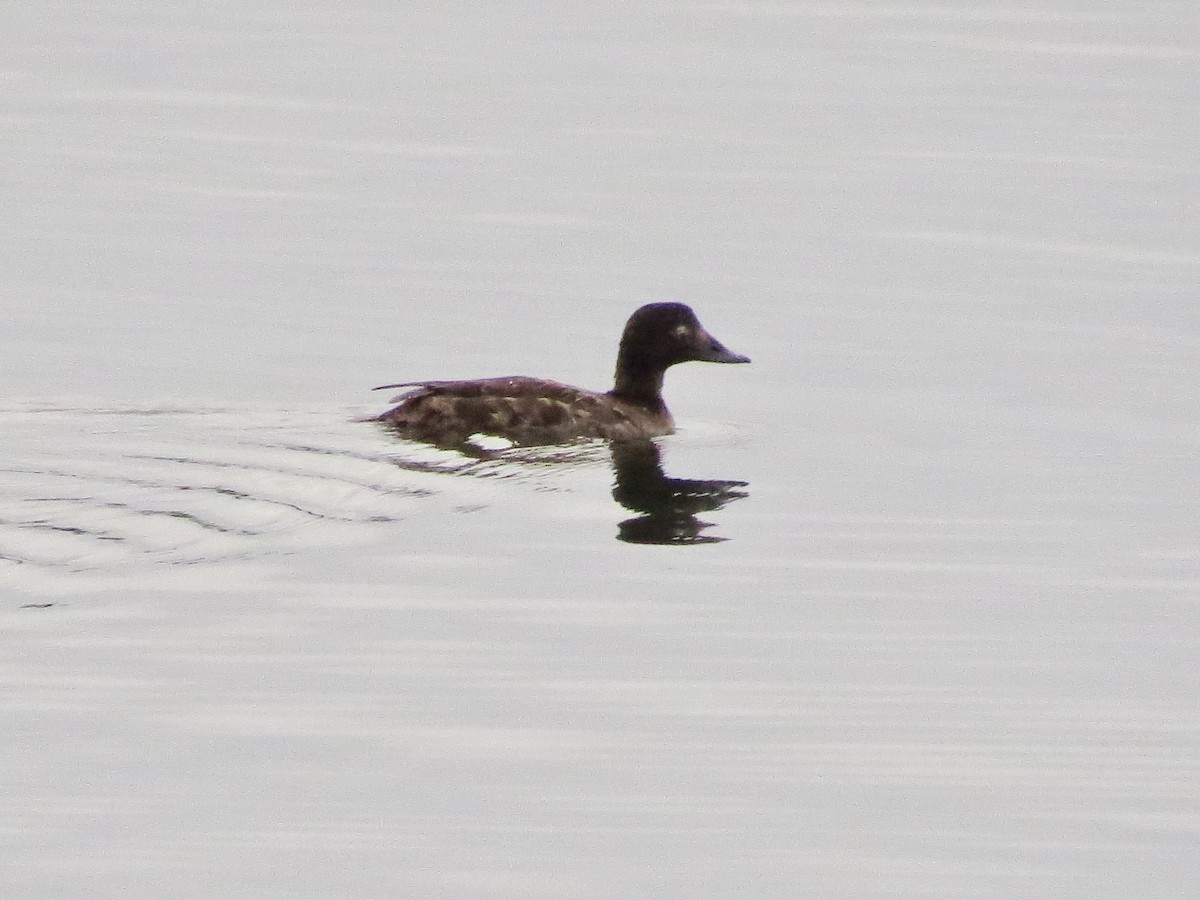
[{"x": 525, "y": 410}]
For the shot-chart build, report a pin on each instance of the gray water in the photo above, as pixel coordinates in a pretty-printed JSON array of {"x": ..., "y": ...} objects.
[{"x": 942, "y": 643}]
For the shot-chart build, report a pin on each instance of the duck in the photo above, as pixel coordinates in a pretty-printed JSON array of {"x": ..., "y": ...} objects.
[{"x": 528, "y": 411}]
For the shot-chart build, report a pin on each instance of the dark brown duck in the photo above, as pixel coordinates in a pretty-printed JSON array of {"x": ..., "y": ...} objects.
[{"x": 533, "y": 411}]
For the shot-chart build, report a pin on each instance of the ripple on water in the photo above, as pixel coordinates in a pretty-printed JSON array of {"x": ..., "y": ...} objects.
[
  {"x": 102, "y": 493},
  {"x": 83, "y": 491}
]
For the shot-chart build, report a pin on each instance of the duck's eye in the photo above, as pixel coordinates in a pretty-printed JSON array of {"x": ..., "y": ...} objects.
[{"x": 681, "y": 331}]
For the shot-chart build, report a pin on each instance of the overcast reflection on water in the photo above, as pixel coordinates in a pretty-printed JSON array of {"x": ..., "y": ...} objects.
[{"x": 943, "y": 644}]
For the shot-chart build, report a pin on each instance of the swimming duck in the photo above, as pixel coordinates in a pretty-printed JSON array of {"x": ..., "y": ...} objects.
[{"x": 532, "y": 411}]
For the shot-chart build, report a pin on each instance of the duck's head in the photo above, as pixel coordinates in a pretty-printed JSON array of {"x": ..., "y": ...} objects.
[
  {"x": 662, "y": 334},
  {"x": 658, "y": 336}
]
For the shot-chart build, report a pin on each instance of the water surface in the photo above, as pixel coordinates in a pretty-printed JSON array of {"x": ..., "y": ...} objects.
[{"x": 937, "y": 638}]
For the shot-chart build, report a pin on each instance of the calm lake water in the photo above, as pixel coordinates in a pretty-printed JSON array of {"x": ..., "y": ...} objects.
[{"x": 907, "y": 608}]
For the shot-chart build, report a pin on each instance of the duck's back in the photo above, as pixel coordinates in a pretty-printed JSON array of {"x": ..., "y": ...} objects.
[{"x": 524, "y": 410}]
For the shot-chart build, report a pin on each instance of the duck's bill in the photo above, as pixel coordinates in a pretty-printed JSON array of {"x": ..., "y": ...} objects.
[{"x": 719, "y": 353}]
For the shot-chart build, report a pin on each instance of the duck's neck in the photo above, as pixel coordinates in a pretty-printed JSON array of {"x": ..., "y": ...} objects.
[{"x": 639, "y": 382}]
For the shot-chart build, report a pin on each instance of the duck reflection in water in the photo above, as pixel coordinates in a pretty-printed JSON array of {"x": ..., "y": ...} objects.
[{"x": 668, "y": 507}]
